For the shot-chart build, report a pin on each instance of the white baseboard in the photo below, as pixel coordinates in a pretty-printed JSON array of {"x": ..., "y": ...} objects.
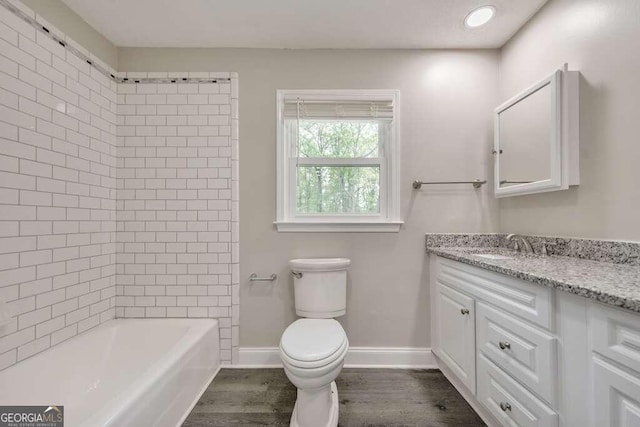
[
  {"x": 258, "y": 357},
  {"x": 357, "y": 357},
  {"x": 390, "y": 357}
]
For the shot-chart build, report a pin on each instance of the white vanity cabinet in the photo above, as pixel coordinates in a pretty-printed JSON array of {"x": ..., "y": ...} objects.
[
  {"x": 529, "y": 355},
  {"x": 508, "y": 401},
  {"x": 457, "y": 334},
  {"x": 615, "y": 364},
  {"x": 522, "y": 351},
  {"x": 615, "y": 398},
  {"x": 511, "y": 349}
]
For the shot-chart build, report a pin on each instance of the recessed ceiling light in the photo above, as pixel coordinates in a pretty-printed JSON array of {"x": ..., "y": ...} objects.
[{"x": 480, "y": 16}]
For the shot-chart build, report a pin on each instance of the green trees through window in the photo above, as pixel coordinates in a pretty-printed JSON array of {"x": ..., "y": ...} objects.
[{"x": 338, "y": 188}]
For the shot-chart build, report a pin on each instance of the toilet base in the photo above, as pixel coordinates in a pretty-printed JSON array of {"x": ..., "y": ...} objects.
[{"x": 333, "y": 410}]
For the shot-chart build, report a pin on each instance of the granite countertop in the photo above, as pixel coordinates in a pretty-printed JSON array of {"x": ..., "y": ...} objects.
[{"x": 614, "y": 284}]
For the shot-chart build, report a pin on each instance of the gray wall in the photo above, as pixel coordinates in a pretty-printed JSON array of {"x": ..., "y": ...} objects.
[
  {"x": 61, "y": 16},
  {"x": 446, "y": 131},
  {"x": 599, "y": 38}
]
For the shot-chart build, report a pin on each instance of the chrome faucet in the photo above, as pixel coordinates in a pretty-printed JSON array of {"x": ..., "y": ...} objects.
[{"x": 526, "y": 246}]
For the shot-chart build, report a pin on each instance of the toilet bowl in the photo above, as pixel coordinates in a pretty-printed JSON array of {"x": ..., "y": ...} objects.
[{"x": 312, "y": 353}]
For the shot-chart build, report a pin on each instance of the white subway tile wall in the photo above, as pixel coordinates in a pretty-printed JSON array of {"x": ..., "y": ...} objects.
[
  {"x": 57, "y": 192},
  {"x": 111, "y": 189},
  {"x": 177, "y": 221}
]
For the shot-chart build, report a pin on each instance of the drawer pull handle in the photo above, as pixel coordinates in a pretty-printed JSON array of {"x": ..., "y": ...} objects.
[
  {"x": 504, "y": 345},
  {"x": 464, "y": 310},
  {"x": 505, "y": 406}
]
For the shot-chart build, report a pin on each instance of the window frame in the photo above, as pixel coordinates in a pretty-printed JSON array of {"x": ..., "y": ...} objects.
[{"x": 388, "y": 220}]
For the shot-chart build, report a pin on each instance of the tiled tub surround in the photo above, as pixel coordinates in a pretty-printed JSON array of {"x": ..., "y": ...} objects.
[
  {"x": 177, "y": 250},
  {"x": 57, "y": 191},
  {"x": 178, "y": 216},
  {"x": 612, "y": 278}
]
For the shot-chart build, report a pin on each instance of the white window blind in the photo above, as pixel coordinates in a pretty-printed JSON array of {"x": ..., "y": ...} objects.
[{"x": 300, "y": 108}]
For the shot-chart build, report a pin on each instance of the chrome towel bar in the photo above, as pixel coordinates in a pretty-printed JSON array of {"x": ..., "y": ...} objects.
[
  {"x": 254, "y": 278},
  {"x": 476, "y": 183}
]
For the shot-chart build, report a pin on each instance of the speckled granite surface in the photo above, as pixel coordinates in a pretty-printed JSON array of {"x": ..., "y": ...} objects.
[
  {"x": 465, "y": 239},
  {"x": 612, "y": 283},
  {"x": 617, "y": 252}
]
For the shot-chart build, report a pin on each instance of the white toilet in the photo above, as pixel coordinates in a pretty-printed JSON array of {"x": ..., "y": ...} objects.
[{"x": 313, "y": 349}]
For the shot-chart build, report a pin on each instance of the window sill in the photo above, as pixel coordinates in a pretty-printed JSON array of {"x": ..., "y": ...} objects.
[{"x": 338, "y": 227}]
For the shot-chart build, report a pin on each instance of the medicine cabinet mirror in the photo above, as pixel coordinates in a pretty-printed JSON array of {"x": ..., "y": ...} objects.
[{"x": 536, "y": 137}]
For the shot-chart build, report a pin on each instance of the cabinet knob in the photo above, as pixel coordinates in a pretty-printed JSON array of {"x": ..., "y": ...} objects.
[
  {"x": 505, "y": 406},
  {"x": 504, "y": 345},
  {"x": 464, "y": 310}
]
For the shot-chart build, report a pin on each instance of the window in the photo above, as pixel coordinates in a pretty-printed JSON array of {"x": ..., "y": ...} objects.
[{"x": 338, "y": 157}]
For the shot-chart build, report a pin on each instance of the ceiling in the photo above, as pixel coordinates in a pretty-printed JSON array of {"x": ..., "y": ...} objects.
[{"x": 302, "y": 23}]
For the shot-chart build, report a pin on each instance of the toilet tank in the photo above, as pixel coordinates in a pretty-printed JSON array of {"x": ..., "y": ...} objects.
[{"x": 320, "y": 287}]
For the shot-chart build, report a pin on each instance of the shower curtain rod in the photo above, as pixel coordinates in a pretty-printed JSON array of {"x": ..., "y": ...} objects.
[{"x": 102, "y": 70}]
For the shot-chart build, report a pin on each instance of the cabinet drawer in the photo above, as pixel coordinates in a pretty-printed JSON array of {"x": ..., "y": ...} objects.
[
  {"x": 616, "y": 335},
  {"x": 508, "y": 401},
  {"x": 524, "y": 299},
  {"x": 524, "y": 352},
  {"x": 616, "y": 397},
  {"x": 456, "y": 332}
]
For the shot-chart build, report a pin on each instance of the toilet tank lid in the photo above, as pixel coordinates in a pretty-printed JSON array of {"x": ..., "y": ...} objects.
[{"x": 319, "y": 264}]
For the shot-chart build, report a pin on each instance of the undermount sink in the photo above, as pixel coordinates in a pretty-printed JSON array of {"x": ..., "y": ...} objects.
[{"x": 493, "y": 256}]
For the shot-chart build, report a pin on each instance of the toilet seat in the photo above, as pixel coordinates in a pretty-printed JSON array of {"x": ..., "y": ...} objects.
[{"x": 313, "y": 343}]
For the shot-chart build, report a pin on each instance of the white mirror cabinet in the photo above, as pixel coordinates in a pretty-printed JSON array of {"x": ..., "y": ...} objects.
[{"x": 536, "y": 137}]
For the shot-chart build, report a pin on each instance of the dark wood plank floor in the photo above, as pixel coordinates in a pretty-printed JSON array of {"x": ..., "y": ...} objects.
[{"x": 368, "y": 397}]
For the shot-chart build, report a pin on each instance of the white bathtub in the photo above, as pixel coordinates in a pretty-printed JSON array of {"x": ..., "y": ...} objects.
[{"x": 126, "y": 372}]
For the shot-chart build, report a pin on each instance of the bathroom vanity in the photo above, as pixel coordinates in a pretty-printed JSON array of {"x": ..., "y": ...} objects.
[{"x": 533, "y": 340}]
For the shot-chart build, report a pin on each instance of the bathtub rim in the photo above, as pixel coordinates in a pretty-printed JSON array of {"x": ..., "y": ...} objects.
[
  {"x": 137, "y": 389},
  {"x": 123, "y": 399}
]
